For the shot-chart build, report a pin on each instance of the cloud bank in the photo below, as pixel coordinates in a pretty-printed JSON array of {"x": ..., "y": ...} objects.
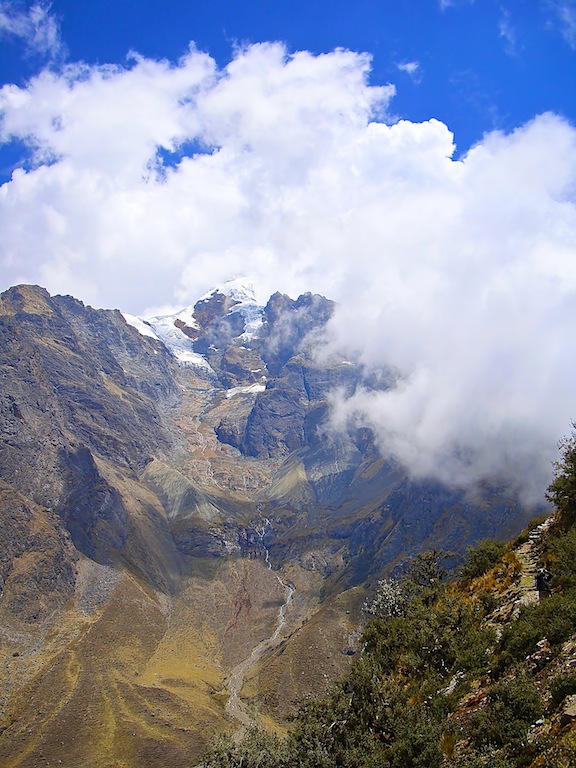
[
  {"x": 147, "y": 184},
  {"x": 474, "y": 305}
]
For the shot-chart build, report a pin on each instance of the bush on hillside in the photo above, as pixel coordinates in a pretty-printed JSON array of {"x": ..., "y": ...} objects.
[
  {"x": 390, "y": 599},
  {"x": 479, "y": 559},
  {"x": 562, "y": 489},
  {"x": 561, "y": 686},
  {"x": 257, "y": 749},
  {"x": 514, "y": 705},
  {"x": 553, "y": 619},
  {"x": 562, "y": 555}
]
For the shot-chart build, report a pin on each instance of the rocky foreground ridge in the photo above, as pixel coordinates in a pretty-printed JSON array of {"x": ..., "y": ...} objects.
[{"x": 164, "y": 485}]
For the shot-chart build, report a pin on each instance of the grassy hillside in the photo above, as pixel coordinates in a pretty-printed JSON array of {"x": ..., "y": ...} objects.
[{"x": 475, "y": 672}]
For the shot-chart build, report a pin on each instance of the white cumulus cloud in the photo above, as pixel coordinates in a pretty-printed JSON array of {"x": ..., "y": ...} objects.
[
  {"x": 148, "y": 184},
  {"x": 475, "y": 311}
]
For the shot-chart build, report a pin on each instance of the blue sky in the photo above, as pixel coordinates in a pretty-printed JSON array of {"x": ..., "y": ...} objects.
[
  {"x": 475, "y": 65},
  {"x": 413, "y": 160}
]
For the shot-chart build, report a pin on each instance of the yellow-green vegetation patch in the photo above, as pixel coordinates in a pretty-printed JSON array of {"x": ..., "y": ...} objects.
[{"x": 185, "y": 660}]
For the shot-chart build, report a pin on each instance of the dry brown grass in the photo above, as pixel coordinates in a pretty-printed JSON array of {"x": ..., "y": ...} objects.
[
  {"x": 88, "y": 705},
  {"x": 498, "y": 579},
  {"x": 137, "y": 679},
  {"x": 308, "y": 662}
]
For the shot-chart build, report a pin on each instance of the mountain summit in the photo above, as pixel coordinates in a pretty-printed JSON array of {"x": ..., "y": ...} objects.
[
  {"x": 182, "y": 530},
  {"x": 233, "y": 304}
]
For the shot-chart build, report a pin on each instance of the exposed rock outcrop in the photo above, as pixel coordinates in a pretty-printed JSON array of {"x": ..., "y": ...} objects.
[
  {"x": 37, "y": 559},
  {"x": 79, "y": 385}
]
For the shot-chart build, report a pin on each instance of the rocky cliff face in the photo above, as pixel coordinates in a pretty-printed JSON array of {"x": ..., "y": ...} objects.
[
  {"x": 182, "y": 472},
  {"x": 231, "y": 399},
  {"x": 81, "y": 401},
  {"x": 37, "y": 560}
]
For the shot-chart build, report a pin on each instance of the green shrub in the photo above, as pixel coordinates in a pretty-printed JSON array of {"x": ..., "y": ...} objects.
[
  {"x": 417, "y": 740},
  {"x": 561, "y": 686},
  {"x": 426, "y": 575},
  {"x": 562, "y": 490},
  {"x": 488, "y": 601},
  {"x": 553, "y": 619},
  {"x": 563, "y": 560},
  {"x": 257, "y": 749},
  {"x": 479, "y": 559},
  {"x": 514, "y": 705},
  {"x": 486, "y": 760},
  {"x": 329, "y": 732}
]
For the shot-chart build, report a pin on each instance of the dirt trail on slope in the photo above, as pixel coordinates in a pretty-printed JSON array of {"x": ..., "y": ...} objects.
[
  {"x": 523, "y": 591},
  {"x": 528, "y": 554}
]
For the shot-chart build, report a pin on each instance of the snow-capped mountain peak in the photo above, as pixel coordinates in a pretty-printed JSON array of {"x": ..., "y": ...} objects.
[
  {"x": 179, "y": 332},
  {"x": 240, "y": 290}
]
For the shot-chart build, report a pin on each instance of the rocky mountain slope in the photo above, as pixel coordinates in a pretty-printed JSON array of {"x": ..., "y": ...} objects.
[
  {"x": 166, "y": 485},
  {"x": 474, "y": 673}
]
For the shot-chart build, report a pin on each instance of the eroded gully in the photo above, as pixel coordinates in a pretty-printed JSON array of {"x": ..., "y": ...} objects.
[{"x": 235, "y": 707}]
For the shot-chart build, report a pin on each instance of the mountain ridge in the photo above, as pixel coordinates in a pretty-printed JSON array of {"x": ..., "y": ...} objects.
[{"x": 159, "y": 476}]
